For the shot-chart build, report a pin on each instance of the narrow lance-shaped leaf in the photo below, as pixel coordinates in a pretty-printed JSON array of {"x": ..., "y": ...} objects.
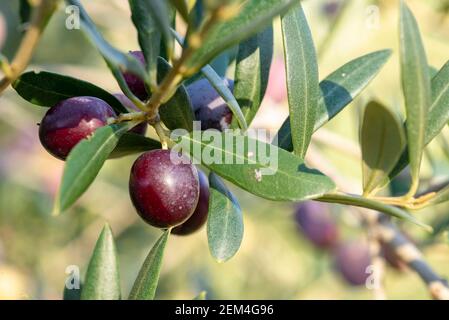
[
  {"x": 160, "y": 13},
  {"x": 220, "y": 64},
  {"x": 439, "y": 109},
  {"x": 102, "y": 277},
  {"x": 252, "y": 71},
  {"x": 177, "y": 112},
  {"x": 416, "y": 89},
  {"x": 382, "y": 140},
  {"x": 225, "y": 221},
  {"x": 118, "y": 75},
  {"x": 223, "y": 90},
  {"x": 124, "y": 62},
  {"x": 47, "y": 89},
  {"x": 164, "y": 51},
  {"x": 131, "y": 143},
  {"x": 85, "y": 161},
  {"x": 260, "y": 168},
  {"x": 432, "y": 71},
  {"x": 196, "y": 16},
  {"x": 181, "y": 7},
  {"x": 144, "y": 287},
  {"x": 24, "y": 11},
  {"x": 219, "y": 84},
  {"x": 302, "y": 78},
  {"x": 338, "y": 90},
  {"x": 253, "y": 16},
  {"x": 438, "y": 114},
  {"x": 149, "y": 35}
]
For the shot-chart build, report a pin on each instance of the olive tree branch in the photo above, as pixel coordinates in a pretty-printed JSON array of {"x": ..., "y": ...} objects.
[
  {"x": 41, "y": 14},
  {"x": 169, "y": 84},
  {"x": 387, "y": 233}
]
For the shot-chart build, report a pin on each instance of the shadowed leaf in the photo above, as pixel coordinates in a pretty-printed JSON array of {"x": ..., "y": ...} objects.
[
  {"x": 382, "y": 140},
  {"x": 224, "y": 222}
]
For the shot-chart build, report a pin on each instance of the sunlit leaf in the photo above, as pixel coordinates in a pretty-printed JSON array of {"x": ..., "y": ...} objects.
[
  {"x": 302, "y": 78},
  {"x": 252, "y": 71},
  {"x": 338, "y": 90},
  {"x": 85, "y": 161},
  {"x": 253, "y": 16},
  {"x": 102, "y": 280},
  {"x": 260, "y": 168},
  {"x": 113, "y": 56},
  {"x": 416, "y": 88},
  {"x": 148, "y": 33},
  {"x": 144, "y": 287}
]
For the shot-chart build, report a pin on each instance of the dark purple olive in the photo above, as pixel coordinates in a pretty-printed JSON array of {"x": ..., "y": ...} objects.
[
  {"x": 209, "y": 106},
  {"x": 317, "y": 224},
  {"x": 70, "y": 121},
  {"x": 352, "y": 260},
  {"x": 140, "y": 128},
  {"x": 199, "y": 216},
  {"x": 135, "y": 84},
  {"x": 164, "y": 193}
]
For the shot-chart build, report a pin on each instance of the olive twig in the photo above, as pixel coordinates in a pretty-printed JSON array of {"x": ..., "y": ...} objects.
[
  {"x": 179, "y": 71},
  {"x": 162, "y": 134},
  {"x": 39, "y": 19},
  {"x": 389, "y": 235},
  {"x": 132, "y": 116}
]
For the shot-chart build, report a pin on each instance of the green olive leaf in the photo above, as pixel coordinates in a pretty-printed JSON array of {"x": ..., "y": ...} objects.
[
  {"x": 260, "y": 168},
  {"x": 24, "y": 11},
  {"x": 302, "y": 78},
  {"x": 102, "y": 277},
  {"x": 438, "y": 115},
  {"x": 177, "y": 112},
  {"x": 439, "y": 110},
  {"x": 149, "y": 35},
  {"x": 112, "y": 56},
  {"x": 47, "y": 89},
  {"x": 132, "y": 143},
  {"x": 144, "y": 287},
  {"x": 161, "y": 15},
  {"x": 224, "y": 222},
  {"x": 416, "y": 88},
  {"x": 217, "y": 82},
  {"x": 338, "y": 90},
  {"x": 382, "y": 140},
  {"x": 85, "y": 161},
  {"x": 253, "y": 16},
  {"x": 181, "y": 7},
  {"x": 252, "y": 71}
]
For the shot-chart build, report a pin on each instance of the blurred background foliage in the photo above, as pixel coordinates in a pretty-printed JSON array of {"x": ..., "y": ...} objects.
[{"x": 275, "y": 260}]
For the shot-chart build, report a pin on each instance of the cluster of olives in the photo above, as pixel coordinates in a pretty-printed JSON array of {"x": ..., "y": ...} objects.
[
  {"x": 165, "y": 194},
  {"x": 351, "y": 258}
]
